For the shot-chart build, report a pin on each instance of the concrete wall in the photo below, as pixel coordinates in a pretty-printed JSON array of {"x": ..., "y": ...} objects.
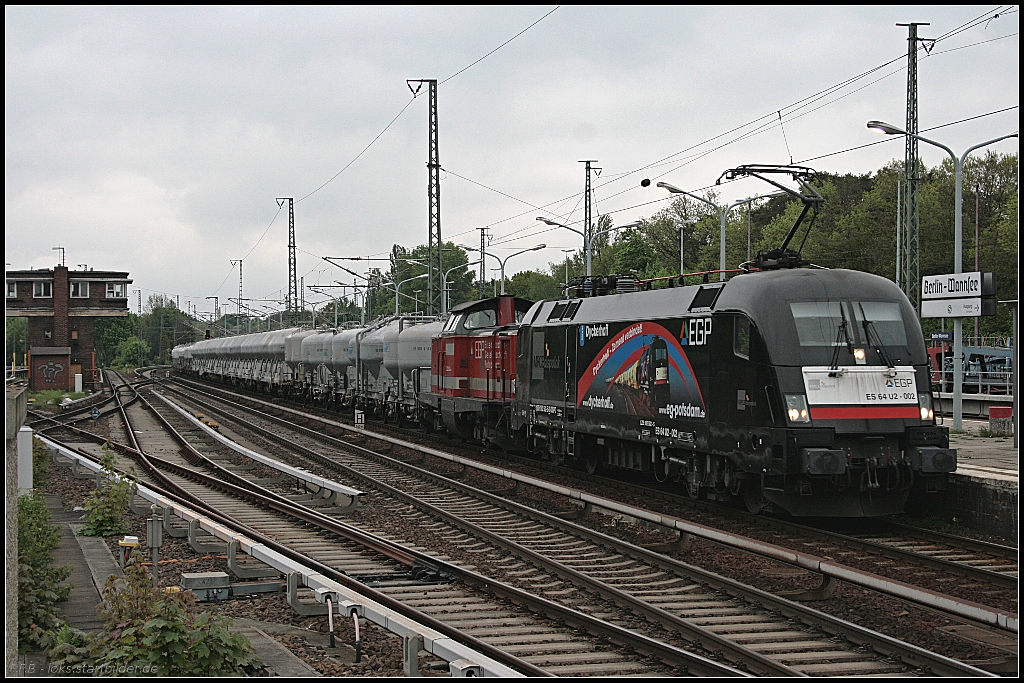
[{"x": 988, "y": 505}]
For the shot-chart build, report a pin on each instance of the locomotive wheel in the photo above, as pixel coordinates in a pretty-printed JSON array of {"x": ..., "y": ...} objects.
[
  {"x": 754, "y": 500},
  {"x": 590, "y": 463}
]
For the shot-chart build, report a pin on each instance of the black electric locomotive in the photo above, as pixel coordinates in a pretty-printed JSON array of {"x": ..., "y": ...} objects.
[{"x": 805, "y": 389}]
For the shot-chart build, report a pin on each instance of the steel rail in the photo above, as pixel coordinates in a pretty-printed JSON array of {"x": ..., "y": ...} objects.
[
  {"x": 472, "y": 578},
  {"x": 918, "y": 656},
  {"x": 759, "y": 663},
  {"x": 1006, "y": 551},
  {"x": 182, "y": 496},
  {"x": 272, "y": 500},
  {"x": 220, "y": 523},
  {"x": 893, "y": 587},
  {"x": 892, "y": 553}
]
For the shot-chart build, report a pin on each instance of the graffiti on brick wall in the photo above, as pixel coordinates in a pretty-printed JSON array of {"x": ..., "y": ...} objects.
[{"x": 50, "y": 370}]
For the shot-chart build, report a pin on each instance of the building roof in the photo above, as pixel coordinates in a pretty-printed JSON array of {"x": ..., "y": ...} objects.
[{"x": 34, "y": 273}]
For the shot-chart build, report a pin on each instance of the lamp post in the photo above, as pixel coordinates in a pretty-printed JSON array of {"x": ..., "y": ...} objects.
[
  {"x": 312, "y": 307},
  {"x": 958, "y": 323},
  {"x": 216, "y": 306},
  {"x": 723, "y": 214},
  {"x": 587, "y": 241},
  {"x": 503, "y": 261},
  {"x": 483, "y": 259},
  {"x": 398, "y": 286},
  {"x": 683, "y": 225},
  {"x": 444, "y": 284}
]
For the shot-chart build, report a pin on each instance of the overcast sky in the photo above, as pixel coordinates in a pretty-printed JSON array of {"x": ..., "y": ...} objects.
[{"x": 155, "y": 140}]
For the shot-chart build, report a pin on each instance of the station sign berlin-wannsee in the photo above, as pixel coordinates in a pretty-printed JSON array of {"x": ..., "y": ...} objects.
[{"x": 951, "y": 296}]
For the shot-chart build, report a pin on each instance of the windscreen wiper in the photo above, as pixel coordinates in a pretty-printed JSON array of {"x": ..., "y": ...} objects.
[
  {"x": 869, "y": 329},
  {"x": 841, "y": 334}
]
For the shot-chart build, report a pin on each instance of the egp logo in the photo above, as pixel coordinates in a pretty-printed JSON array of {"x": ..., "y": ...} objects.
[{"x": 895, "y": 382}]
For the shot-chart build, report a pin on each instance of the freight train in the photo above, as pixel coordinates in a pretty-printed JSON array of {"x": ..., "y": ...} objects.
[{"x": 800, "y": 390}]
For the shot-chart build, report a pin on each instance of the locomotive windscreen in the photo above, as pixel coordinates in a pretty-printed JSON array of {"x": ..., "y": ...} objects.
[
  {"x": 817, "y": 322},
  {"x": 885, "y": 318}
]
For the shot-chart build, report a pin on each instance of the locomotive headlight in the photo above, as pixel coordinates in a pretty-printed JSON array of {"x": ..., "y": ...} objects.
[
  {"x": 796, "y": 408},
  {"x": 927, "y": 412},
  {"x": 859, "y": 356}
]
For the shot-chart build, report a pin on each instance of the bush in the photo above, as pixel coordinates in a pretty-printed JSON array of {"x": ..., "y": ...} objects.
[
  {"x": 106, "y": 506},
  {"x": 70, "y": 650},
  {"x": 40, "y": 463},
  {"x": 150, "y": 628},
  {"x": 39, "y": 588}
]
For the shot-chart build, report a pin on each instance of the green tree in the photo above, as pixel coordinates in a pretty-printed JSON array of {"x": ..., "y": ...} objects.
[
  {"x": 165, "y": 326},
  {"x": 410, "y": 263},
  {"x": 110, "y": 333},
  {"x": 16, "y": 340},
  {"x": 533, "y": 285},
  {"x": 635, "y": 254},
  {"x": 132, "y": 352}
]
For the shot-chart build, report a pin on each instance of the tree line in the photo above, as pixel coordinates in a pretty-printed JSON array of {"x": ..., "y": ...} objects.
[{"x": 855, "y": 229}]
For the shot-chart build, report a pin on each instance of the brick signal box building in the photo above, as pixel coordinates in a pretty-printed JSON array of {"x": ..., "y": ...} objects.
[{"x": 62, "y": 307}]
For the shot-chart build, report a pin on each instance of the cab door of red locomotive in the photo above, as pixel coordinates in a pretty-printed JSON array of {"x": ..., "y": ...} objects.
[{"x": 504, "y": 355}]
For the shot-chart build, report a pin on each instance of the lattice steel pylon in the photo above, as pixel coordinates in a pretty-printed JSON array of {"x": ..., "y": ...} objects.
[
  {"x": 435, "y": 265},
  {"x": 293, "y": 286},
  {"x": 588, "y": 227},
  {"x": 910, "y": 249}
]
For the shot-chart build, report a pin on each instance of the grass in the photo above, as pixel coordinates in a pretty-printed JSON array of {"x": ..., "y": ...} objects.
[{"x": 53, "y": 396}]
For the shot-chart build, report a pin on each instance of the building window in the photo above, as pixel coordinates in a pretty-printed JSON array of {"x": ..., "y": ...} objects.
[
  {"x": 42, "y": 290},
  {"x": 79, "y": 290},
  {"x": 74, "y": 334},
  {"x": 48, "y": 334},
  {"x": 12, "y": 290},
  {"x": 115, "y": 290}
]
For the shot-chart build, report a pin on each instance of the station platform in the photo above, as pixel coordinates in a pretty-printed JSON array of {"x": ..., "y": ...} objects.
[{"x": 984, "y": 490}]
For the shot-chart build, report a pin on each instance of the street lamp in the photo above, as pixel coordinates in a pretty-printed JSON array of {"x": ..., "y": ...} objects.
[
  {"x": 723, "y": 214},
  {"x": 958, "y": 323},
  {"x": 444, "y": 284},
  {"x": 312, "y": 307},
  {"x": 503, "y": 261},
  {"x": 398, "y": 286},
  {"x": 567, "y": 252},
  {"x": 587, "y": 240},
  {"x": 683, "y": 225},
  {"x": 216, "y": 306}
]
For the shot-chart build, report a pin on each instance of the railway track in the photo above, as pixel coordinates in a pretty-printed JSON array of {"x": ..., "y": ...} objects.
[
  {"x": 986, "y": 572},
  {"x": 531, "y": 634},
  {"x": 570, "y": 563}
]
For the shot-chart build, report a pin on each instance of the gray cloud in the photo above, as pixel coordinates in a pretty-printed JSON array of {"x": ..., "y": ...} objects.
[{"x": 156, "y": 140}]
